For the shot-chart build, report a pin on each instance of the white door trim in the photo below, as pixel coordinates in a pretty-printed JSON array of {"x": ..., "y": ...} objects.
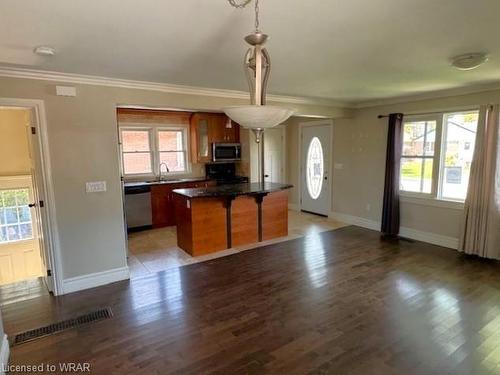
[
  {"x": 303, "y": 125},
  {"x": 51, "y": 238},
  {"x": 282, "y": 130}
]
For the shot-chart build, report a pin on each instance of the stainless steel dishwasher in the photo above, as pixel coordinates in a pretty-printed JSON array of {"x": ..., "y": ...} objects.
[{"x": 138, "y": 214}]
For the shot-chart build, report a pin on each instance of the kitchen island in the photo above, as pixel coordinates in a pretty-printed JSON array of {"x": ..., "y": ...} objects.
[{"x": 220, "y": 217}]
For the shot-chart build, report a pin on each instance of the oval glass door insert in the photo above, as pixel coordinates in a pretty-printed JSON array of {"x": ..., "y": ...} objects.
[{"x": 314, "y": 168}]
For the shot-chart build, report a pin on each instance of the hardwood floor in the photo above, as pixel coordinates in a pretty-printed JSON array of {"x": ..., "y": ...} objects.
[
  {"x": 339, "y": 302},
  {"x": 22, "y": 290}
]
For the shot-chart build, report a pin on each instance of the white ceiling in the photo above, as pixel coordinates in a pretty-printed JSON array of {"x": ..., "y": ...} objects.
[{"x": 348, "y": 50}]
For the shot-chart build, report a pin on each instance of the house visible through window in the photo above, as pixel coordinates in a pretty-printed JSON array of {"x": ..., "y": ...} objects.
[
  {"x": 417, "y": 162},
  {"x": 459, "y": 137},
  {"x": 437, "y": 155},
  {"x": 144, "y": 149}
]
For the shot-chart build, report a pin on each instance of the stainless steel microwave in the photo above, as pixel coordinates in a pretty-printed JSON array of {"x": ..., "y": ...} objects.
[{"x": 226, "y": 151}]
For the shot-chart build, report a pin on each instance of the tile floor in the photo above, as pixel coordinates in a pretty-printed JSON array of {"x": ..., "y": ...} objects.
[{"x": 156, "y": 250}]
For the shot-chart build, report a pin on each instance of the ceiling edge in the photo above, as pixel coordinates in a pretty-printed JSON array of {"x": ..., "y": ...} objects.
[
  {"x": 457, "y": 91},
  {"x": 11, "y": 72}
]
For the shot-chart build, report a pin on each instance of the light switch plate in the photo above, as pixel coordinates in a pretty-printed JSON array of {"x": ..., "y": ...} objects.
[
  {"x": 338, "y": 166},
  {"x": 95, "y": 186}
]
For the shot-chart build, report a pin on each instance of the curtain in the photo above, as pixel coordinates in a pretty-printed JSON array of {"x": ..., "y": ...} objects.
[
  {"x": 481, "y": 222},
  {"x": 390, "y": 211}
]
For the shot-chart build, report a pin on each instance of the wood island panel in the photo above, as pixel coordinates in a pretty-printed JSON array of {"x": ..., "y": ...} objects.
[
  {"x": 208, "y": 216},
  {"x": 201, "y": 225},
  {"x": 275, "y": 215},
  {"x": 244, "y": 229},
  {"x": 184, "y": 227}
]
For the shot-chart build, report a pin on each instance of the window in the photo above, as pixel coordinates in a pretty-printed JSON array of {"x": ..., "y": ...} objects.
[
  {"x": 315, "y": 168},
  {"x": 145, "y": 149},
  {"x": 437, "y": 155},
  {"x": 15, "y": 215},
  {"x": 459, "y": 137},
  {"x": 417, "y": 162},
  {"x": 171, "y": 149},
  {"x": 136, "y": 146}
]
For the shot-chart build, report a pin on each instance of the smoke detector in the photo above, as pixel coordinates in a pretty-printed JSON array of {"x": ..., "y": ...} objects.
[
  {"x": 469, "y": 61},
  {"x": 45, "y": 51}
]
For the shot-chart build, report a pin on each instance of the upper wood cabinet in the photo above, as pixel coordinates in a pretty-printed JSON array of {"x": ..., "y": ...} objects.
[
  {"x": 199, "y": 134},
  {"x": 208, "y": 128}
]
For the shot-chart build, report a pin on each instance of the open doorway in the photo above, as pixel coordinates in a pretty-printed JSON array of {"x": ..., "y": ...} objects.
[{"x": 24, "y": 265}]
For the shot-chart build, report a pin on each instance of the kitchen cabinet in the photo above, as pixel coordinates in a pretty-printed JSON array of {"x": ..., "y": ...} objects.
[
  {"x": 200, "y": 138},
  {"x": 208, "y": 128},
  {"x": 162, "y": 200}
]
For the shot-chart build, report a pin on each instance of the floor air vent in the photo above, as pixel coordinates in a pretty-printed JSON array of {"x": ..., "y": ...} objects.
[{"x": 37, "y": 333}]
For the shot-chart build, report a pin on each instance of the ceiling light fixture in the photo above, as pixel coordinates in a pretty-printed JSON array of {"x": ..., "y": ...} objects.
[
  {"x": 257, "y": 64},
  {"x": 469, "y": 61},
  {"x": 45, "y": 51}
]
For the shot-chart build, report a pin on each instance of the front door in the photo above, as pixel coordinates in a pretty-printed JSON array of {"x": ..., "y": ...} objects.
[{"x": 315, "y": 165}]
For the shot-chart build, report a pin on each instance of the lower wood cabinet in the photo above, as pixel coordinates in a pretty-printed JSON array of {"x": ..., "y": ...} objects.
[{"x": 162, "y": 201}]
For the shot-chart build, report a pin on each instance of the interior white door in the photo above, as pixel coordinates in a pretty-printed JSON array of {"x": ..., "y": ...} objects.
[
  {"x": 273, "y": 153},
  {"x": 38, "y": 203},
  {"x": 315, "y": 167}
]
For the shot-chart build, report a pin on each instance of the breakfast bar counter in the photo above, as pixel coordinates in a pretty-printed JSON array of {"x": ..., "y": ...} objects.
[{"x": 221, "y": 217}]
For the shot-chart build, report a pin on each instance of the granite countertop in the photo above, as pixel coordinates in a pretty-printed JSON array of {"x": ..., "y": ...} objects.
[
  {"x": 163, "y": 182},
  {"x": 232, "y": 190}
]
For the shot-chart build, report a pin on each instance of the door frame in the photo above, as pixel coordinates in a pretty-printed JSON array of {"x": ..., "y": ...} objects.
[
  {"x": 253, "y": 151},
  {"x": 282, "y": 129},
  {"x": 300, "y": 171},
  {"x": 48, "y": 214}
]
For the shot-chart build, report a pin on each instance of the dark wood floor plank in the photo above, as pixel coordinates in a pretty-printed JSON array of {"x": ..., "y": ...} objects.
[{"x": 341, "y": 302}]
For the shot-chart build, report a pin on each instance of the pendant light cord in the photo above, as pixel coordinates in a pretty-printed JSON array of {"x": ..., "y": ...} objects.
[{"x": 243, "y": 4}]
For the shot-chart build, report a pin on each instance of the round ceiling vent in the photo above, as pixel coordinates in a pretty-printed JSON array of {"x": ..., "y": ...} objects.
[{"x": 469, "y": 61}]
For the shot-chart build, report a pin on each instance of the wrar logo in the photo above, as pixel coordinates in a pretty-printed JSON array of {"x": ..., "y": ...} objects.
[{"x": 74, "y": 367}]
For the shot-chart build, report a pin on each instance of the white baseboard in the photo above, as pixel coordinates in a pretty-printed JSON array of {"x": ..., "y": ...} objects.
[
  {"x": 432, "y": 238},
  {"x": 93, "y": 280},
  {"x": 417, "y": 235},
  {"x": 293, "y": 207},
  {"x": 355, "y": 220},
  {"x": 4, "y": 354}
]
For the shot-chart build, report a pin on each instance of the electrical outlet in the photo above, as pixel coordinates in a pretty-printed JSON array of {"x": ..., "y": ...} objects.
[
  {"x": 368, "y": 207},
  {"x": 95, "y": 186}
]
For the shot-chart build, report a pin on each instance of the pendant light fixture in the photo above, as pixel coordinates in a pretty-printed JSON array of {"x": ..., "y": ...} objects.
[{"x": 257, "y": 116}]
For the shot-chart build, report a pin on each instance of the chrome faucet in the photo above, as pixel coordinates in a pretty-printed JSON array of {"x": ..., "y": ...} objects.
[{"x": 159, "y": 170}]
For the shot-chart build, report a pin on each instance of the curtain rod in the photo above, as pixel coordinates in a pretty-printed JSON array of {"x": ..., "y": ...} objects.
[
  {"x": 430, "y": 113},
  {"x": 414, "y": 114}
]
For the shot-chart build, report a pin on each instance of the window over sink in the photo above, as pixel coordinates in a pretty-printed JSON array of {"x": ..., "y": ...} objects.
[{"x": 145, "y": 149}]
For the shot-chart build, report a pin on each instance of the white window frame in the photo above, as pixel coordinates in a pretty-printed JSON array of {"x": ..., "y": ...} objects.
[
  {"x": 147, "y": 129},
  {"x": 434, "y": 198},
  {"x": 153, "y": 130},
  {"x": 17, "y": 183},
  {"x": 437, "y": 156},
  {"x": 185, "y": 150}
]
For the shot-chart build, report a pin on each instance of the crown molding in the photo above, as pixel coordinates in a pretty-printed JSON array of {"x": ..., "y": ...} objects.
[
  {"x": 11, "y": 72},
  {"x": 457, "y": 91}
]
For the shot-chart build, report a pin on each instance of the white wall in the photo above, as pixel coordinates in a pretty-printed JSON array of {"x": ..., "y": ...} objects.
[{"x": 83, "y": 144}]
